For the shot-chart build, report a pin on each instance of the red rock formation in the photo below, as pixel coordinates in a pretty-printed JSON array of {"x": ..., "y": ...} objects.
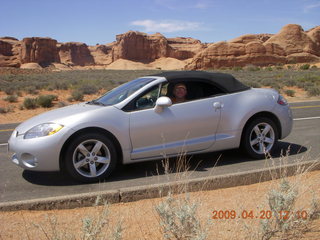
[
  {"x": 184, "y": 48},
  {"x": 9, "y": 52},
  {"x": 137, "y": 46},
  {"x": 74, "y": 53},
  {"x": 251, "y": 38},
  {"x": 291, "y": 45},
  {"x": 39, "y": 50},
  {"x": 102, "y": 54}
]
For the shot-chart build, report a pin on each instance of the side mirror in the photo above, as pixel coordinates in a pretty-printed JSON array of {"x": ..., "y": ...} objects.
[{"x": 161, "y": 103}]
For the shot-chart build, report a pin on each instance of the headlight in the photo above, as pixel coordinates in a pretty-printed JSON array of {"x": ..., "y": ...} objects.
[{"x": 42, "y": 130}]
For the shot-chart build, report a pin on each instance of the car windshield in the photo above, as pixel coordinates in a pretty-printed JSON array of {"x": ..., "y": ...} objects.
[{"x": 120, "y": 93}]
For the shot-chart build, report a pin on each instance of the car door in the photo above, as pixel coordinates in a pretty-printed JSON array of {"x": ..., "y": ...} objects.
[{"x": 180, "y": 128}]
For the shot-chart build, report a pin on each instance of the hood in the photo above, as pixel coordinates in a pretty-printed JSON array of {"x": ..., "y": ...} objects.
[{"x": 65, "y": 116}]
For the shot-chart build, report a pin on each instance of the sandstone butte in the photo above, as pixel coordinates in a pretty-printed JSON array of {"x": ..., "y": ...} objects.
[{"x": 290, "y": 45}]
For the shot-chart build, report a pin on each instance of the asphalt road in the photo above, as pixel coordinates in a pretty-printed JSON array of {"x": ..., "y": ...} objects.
[{"x": 19, "y": 184}]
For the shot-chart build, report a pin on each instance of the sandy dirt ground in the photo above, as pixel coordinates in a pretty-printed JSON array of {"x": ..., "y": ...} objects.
[{"x": 141, "y": 221}]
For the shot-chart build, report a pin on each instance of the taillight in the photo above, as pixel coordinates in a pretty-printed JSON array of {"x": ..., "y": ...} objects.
[{"x": 282, "y": 101}]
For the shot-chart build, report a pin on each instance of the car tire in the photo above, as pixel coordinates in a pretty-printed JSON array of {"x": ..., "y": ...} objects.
[
  {"x": 91, "y": 157},
  {"x": 259, "y": 137}
]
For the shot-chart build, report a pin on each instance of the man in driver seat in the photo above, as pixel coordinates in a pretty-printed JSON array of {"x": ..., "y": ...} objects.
[{"x": 179, "y": 93}]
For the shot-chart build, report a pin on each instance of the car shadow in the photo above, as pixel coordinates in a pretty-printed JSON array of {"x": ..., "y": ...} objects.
[{"x": 196, "y": 163}]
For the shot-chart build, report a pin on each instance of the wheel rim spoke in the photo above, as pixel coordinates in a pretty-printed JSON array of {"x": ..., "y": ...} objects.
[
  {"x": 93, "y": 170},
  {"x": 268, "y": 140},
  {"x": 83, "y": 150},
  {"x": 254, "y": 141},
  {"x": 266, "y": 130},
  {"x": 80, "y": 163},
  {"x": 257, "y": 130},
  {"x": 97, "y": 147},
  {"x": 261, "y": 147},
  {"x": 103, "y": 160}
]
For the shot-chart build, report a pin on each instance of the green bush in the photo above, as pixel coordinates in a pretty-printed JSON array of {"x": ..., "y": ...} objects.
[
  {"x": 290, "y": 92},
  {"x": 77, "y": 95},
  {"x": 305, "y": 66},
  {"x": 30, "y": 103},
  {"x": 46, "y": 100},
  {"x": 11, "y": 98}
]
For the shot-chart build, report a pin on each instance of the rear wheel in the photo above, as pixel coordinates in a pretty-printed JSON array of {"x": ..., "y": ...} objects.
[
  {"x": 260, "y": 137},
  {"x": 90, "y": 158}
]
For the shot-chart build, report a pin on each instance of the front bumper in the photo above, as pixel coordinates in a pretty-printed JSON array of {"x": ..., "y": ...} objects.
[{"x": 38, "y": 154}]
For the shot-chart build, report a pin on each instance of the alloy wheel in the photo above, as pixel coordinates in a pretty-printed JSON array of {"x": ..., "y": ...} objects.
[{"x": 91, "y": 158}]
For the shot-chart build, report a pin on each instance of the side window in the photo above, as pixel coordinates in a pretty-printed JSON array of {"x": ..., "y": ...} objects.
[
  {"x": 196, "y": 89},
  {"x": 148, "y": 100}
]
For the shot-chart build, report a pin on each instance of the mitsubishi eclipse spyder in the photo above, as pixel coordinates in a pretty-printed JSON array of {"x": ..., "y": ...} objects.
[{"x": 149, "y": 118}]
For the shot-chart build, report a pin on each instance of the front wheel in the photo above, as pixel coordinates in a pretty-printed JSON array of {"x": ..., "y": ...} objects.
[
  {"x": 259, "y": 138},
  {"x": 90, "y": 158}
]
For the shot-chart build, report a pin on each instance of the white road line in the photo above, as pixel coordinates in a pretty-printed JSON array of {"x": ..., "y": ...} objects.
[{"x": 308, "y": 118}]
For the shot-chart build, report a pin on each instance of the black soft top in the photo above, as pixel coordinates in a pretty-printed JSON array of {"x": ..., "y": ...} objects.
[{"x": 224, "y": 81}]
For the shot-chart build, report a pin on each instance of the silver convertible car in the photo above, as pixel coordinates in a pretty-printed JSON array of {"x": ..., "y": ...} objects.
[{"x": 142, "y": 120}]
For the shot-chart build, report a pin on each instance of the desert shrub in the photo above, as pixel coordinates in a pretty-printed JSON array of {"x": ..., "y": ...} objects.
[
  {"x": 280, "y": 200},
  {"x": 94, "y": 227},
  {"x": 32, "y": 90},
  {"x": 76, "y": 96},
  {"x": 4, "y": 110},
  {"x": 88, "y": 89},
  {"x": 59, "y": 85},
  {"x": 252, "y": 68},
  {"x": 313, "y": 91},
  {"x": 30, "y": 103},
  {"x": 252, "y": 84},
  {"x": 178, "y": 219},
  {"x": 11, "y": 98},
  {"x": 291, "y": 83},
  {"x": 9, "y": 90},
  {"x": 269, "y": 68},
  {"x": 305, "y": 66},
  {"x": 290, "y": 92},
  {"x": 61, "y": 104},
  {"x": 237, "y": 68},
  {"x": 314, "y": 67},
  {"x": 46, "y": 100}
]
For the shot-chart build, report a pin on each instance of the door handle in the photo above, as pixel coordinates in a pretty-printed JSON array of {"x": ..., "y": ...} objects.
[{"x": 217, "y": 105}]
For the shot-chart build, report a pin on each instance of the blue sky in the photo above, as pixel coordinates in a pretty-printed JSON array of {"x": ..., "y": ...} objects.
[{"x": 99, "y": 21}]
